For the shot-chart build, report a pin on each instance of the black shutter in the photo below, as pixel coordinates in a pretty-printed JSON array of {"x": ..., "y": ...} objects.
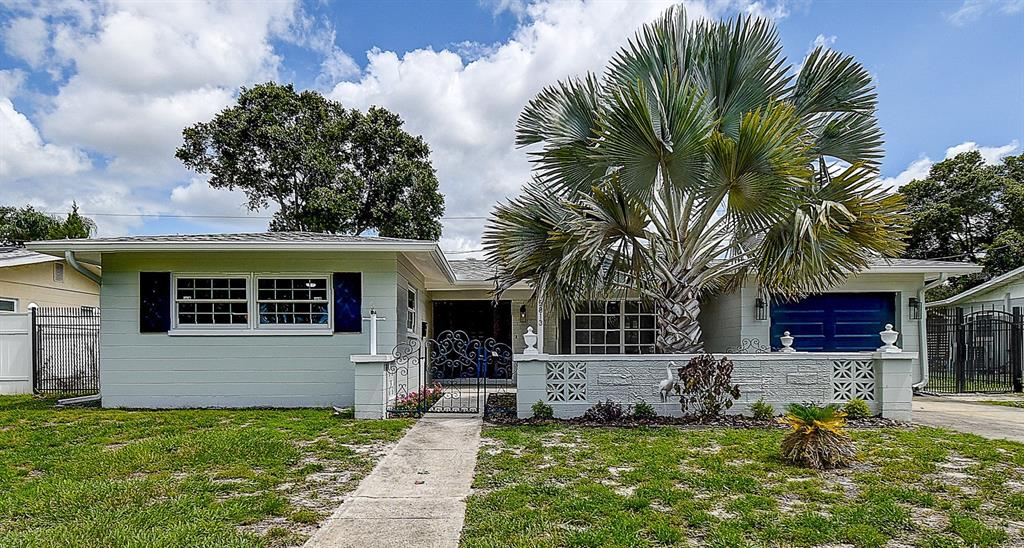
[
  {"x": 348, "y": 302},
  {"x": 154, "y": 302}
]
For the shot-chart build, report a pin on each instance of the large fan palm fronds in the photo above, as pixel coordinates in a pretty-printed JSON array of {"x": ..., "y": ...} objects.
[{"x": 699, "y": 158}]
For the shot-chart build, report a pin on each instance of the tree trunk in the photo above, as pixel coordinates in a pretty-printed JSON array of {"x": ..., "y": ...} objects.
[{"x": 678, "y": 329}]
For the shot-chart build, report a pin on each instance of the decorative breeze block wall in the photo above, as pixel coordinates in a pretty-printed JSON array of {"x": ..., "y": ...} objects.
[
  {"x": 566, "y": 381},
  {"x": 853, "y": 379}
]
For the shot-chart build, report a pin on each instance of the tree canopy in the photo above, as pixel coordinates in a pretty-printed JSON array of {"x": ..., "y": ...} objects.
[
  {"x": 700, "y": 158},
  {"x": 328, "y": 168},
  {"x": 968, "y": 210},
  {"x": 25, "y": 224}
]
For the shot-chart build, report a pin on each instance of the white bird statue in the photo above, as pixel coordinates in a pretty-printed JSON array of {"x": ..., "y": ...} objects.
[{"x": 666, "y": 386}]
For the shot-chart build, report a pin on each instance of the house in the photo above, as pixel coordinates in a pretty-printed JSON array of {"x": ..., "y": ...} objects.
[
  {"x": 272, "y": 319},
  {"x": 1003, "y": 293},
  {"x": 28, "y": 277}
]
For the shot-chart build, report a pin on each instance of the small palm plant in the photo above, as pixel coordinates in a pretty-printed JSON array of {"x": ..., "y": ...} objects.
[{"x": 817, "y": 440}]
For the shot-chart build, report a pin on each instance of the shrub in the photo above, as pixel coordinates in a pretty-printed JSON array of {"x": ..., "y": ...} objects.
[
  {"x": 643, "y": 411},
  {"x": 705, "y": 386},
  {"x": 604, "y": 411},
  {"x": 762, "y": 410},
  {"x": 857, "y": 409},
  {"x": 817, "y": 439},
  {"x": 420, "y": 400},
  {"x": 542, "y": 410}
]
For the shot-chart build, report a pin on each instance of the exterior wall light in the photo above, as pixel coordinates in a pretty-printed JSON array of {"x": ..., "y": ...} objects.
[
  {"x": 915, "y": 308},
  {"x": 760, "y": 309},
  {"x": 522, "y": 313}
]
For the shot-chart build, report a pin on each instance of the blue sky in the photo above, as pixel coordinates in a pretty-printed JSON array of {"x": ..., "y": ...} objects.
[{"x": 93, "y": 96}]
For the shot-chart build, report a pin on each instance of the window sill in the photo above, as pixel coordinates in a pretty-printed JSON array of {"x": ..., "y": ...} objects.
[{"x": 249, "y": 332}]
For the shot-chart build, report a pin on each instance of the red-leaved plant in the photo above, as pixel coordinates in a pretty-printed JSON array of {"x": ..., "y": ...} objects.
[{"x": 705, "y": 386}]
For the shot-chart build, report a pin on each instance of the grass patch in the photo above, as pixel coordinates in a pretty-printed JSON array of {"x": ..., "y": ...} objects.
[
  {"x": 1019, "y": 404},
  {"x": 97, "y": 477},
  {"x": 559, "y": 485}
]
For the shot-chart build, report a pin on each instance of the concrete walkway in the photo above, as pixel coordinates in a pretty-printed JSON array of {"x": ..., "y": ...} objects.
[
  {"x": 989, "y": 421},
  {"x": 416, "y": 495}
]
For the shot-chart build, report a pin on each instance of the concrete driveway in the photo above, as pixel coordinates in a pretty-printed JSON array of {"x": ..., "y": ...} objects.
[{"x": 972, "y": 417}]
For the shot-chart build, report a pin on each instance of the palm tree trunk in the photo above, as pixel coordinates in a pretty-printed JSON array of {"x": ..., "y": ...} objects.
[{"x": 678, "y": 329}]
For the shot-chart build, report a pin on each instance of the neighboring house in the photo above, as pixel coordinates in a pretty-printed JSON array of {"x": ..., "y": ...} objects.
[
  {"x": 271, "y": 319},
  {"x": 28, "y": 277},
  {"x": 1004, "y": 293}
]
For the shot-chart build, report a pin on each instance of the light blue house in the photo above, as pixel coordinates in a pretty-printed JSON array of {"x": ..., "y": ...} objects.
[{"x": 272, "y": 319}]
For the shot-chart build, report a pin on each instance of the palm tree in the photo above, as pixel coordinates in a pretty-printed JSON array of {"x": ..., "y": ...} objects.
[{"x": 699, "y": 159}]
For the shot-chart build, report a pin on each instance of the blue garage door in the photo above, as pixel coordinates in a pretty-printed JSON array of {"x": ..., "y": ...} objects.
[{"x": 834, "y": 322}]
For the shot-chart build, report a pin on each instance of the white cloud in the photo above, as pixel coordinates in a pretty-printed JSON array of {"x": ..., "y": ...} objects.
[
  {"x": 822, "y": 41},
  {"x": 918, "y": 169},
  {"x": 25, "y": 38},
  {"x": 11, "y": 81},
  {"x": 991, "y": 155},
  {"x": 971, "y": 10},
  {"x": 23, "y": 153},
  {"x": 467, "y": 108}
]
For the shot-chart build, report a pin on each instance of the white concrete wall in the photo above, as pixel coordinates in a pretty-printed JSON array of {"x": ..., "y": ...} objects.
[
  {"x": 162, "y": 370},
  {"x": 15, "y": 353},
  {"x": 571, "y": 384}
]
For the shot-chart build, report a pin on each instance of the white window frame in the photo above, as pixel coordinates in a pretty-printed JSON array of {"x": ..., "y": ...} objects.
[
  {"x": 255, "y": 302},
  {"x": 622, "y": 328},
  {"x": 252, "y": 327},
  {"x": 412, "y": 312},
  {"x": 212, "y": 327},
  {"x": 10, "y": 300}
]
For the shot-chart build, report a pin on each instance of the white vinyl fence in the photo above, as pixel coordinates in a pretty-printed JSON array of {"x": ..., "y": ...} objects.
[{"x": 15, "y": 353}]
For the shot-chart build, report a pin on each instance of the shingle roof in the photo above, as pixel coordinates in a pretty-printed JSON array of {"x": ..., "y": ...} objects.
[
  {"x": 919, "y": 262},
  {"x": 251, "y": 237},
  {"x": 472, "y": 269}
]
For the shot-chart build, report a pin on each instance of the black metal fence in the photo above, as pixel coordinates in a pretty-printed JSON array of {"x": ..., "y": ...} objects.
[
  {"x": 66, "y": 350},
  {"x": 975, "y": 350}
]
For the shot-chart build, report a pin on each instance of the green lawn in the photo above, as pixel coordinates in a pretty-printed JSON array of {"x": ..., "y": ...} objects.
[
  {"x": 568, "y": 486},
  {"x": 1005, "y": 403},
  {"x": 93, "y": 477}
]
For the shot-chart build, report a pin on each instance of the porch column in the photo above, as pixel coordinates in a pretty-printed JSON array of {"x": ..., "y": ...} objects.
[{"x": 540, "y": 324}]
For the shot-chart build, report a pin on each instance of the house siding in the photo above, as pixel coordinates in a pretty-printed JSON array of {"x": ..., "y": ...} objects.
[
  {"x": 161, "y": 370},
  {"x": 33, "y": 283}
]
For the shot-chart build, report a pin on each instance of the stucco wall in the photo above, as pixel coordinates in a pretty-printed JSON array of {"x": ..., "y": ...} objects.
[
  {"x": 33, "y": 283},
  {"x": 162, "y": 370}
]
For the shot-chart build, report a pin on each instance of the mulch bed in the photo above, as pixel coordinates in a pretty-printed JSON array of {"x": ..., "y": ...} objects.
[{"x": 501, "y": 410}]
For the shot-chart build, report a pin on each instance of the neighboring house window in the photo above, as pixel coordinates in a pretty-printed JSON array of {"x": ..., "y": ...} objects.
[
  {"x": 221, "y": 301},
  {"x": 410, "y": 318},
  {"x": 293, "y": 301},
  {"x": 8, "y": 305},
  {"x": 614, "y": 327},
  {"x": 58, "y": 272}
]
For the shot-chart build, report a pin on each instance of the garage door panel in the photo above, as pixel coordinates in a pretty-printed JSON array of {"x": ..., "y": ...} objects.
[{"x": 833, "y": 322}]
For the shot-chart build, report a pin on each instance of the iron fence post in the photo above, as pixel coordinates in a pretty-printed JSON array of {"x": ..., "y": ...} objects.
[
  {"x": 960, "y": 350},
  {"x": 1017, "y": 349}
]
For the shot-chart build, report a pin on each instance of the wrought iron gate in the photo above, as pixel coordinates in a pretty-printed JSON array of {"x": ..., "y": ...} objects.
[
  {"x": 979, "y": 351},
  {"x": 447, "y": 374},
  {"x": 65, "y": 350}
]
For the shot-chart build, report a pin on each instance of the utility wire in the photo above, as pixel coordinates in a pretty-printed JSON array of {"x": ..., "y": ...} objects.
[{"x": 261, "y": 217}]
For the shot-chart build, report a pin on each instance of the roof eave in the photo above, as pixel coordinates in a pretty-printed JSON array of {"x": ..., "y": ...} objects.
[{"x": 55, "y": 247}]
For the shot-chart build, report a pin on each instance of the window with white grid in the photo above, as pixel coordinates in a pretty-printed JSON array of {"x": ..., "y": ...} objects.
[
  {"x": 220, "y": 301},
  {"x": 287, "y": 301},
  {"x": 614, "y": 327}
]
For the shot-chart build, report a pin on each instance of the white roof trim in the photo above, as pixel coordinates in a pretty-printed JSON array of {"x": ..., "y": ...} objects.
[
  {"x": 981, "y": 289},
  {"x": 21, "y": 261},
  {"x": 95, "y": 246},
  {"x": 952, "y": 269}
]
